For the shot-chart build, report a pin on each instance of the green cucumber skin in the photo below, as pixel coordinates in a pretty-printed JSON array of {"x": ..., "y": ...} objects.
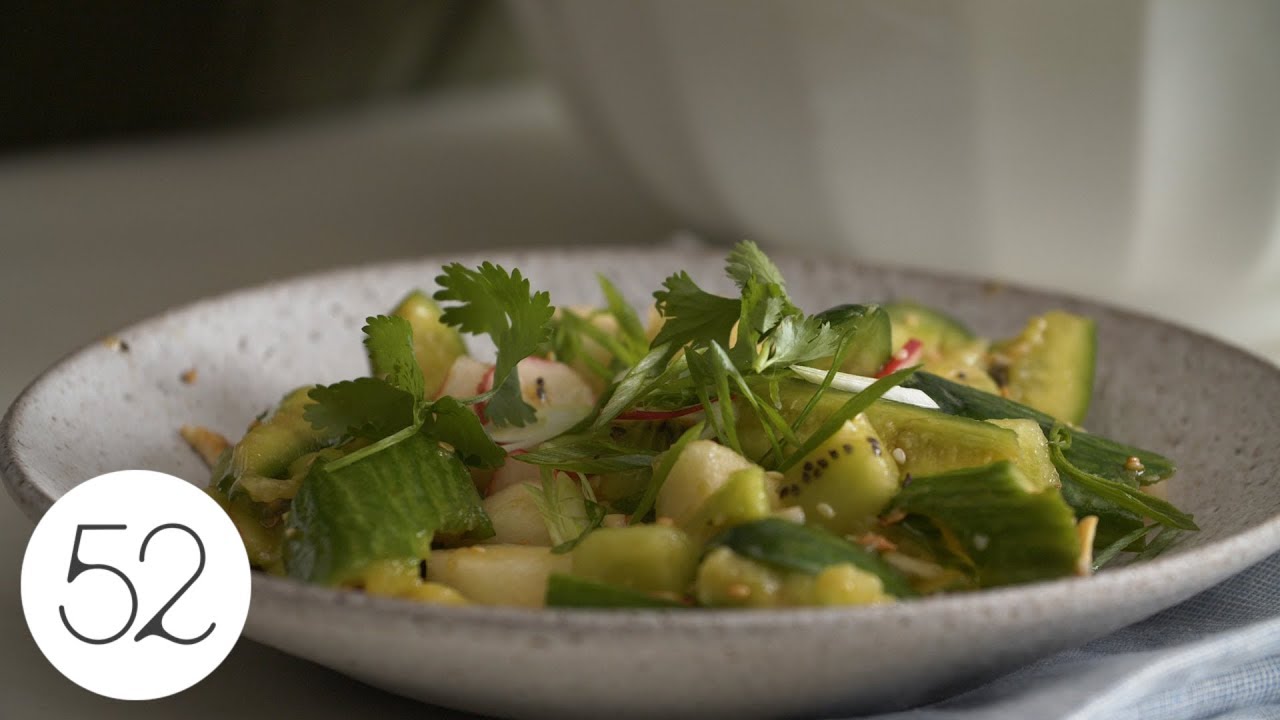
[
  {"x": 1011, "y": 535},
  {"x": 938, "y": 331},
  {"x": 573, "y": 592},
  {"x": 386, "y": 507},
  {"x": 435, "y": 345},
  {"x": 871, "y": 334},
  {"x": 806, "y": 549},
  {"x": 982, "y": 439},
  {"x": 270, "y": 446},
  {"x": 1092, "y": 453}
]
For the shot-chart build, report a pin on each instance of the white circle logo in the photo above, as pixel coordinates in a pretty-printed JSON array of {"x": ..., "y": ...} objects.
[{"x": 135, "y": 585}]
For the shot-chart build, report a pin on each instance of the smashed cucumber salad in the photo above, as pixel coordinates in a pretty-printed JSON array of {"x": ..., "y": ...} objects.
[{"x": 728, "y": 452}]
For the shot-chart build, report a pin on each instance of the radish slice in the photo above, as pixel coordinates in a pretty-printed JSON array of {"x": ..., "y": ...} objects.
[
  {"x": 484, "y": 385},
  {"x": 465, "y": 375},
  {"x": 857, "y": 383},
  {"x": 551, "y": 421},
  {"x": 547, "y": 383}
]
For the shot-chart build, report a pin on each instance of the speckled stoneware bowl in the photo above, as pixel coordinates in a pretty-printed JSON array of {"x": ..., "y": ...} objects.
[{"x": 1213, "y": 408}]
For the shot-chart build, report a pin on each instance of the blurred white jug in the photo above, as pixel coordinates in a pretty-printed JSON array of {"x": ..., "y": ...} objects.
[{"x": 1127, "y": 150}]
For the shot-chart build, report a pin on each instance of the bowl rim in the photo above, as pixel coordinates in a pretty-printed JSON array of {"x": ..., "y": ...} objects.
[{"x": 1238, "y": 550}]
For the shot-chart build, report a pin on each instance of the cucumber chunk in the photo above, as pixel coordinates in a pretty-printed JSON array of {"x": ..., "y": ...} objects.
[
  {"x": 844, "y": 483},
  {"x": 575, "y": 592},
  {"x": 931, "y": 441},
  {"x": 809, "y": 550},
  {"x": 702, "y": 468},
  {"x": 513, "y": 575},
  {"x": 1049, "y": 366},
  {"x": 987, "y": 515},
  {"x": 1092, "y": 453},
  {"x": 1033, "y": 458},
  {"x": 726, "y": 579},
  {"x": 746, "y": 497},
  {"x": 387, "y": 507},
  {"x": 869, "y": 332},
  {"x": 644, "y": 558},
  {"x": 940, "y": 333},
  {"x": 271, "y": 445},
  {"x": 435, "y": 345}
]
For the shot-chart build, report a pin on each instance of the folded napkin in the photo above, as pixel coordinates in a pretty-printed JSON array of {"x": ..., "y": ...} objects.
[{"x": 1216, "y": 655}]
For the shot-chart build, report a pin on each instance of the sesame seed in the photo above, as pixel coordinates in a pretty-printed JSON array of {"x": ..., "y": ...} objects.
[
  {"x": 900, "y": 455},
  {"x": 738, "y": 591},
  {"x": 1133, "y": 464},
  {"x": 825, "y": 510},
  {"x": 188, "y": 376},
  {"x": 793, "y": 514},
  {"x": 980, "y": 542}
]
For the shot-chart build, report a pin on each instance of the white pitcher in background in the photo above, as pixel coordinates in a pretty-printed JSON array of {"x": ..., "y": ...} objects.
[{"x": 1123, "y": 150}]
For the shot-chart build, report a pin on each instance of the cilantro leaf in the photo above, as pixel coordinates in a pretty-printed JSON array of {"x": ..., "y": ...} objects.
[
  {"x": 595, "y": 518},
  {"x": 558, "y": 504},
  {"x": 763, "y": 306},
  {"x": 389, "y": 342},
  {"x": 502, "y": 306},
  {"x": 798, "y": 340},
  {"x": 693, "y": 314},
  {"x": 364, "y": 407},
  {"x": 748, "y": 261},
  {"x": 506, "y": 407},
  {"x": 456, "y": 424},
  {"x": 390, "y": 408}
]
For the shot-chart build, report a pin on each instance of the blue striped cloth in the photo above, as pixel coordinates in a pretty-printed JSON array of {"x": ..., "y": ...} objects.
[{"x": 1216, "y": 655}]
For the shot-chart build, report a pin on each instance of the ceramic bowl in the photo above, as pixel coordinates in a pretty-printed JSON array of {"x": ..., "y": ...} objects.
[{"x": 1212, "y": 407}]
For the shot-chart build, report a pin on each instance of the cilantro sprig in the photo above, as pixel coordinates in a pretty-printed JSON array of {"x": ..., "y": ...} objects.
[
  {"x": 491, "y": 301},
  {"x": 391, "y": 407},
  {"x": 716, "y": 349}
]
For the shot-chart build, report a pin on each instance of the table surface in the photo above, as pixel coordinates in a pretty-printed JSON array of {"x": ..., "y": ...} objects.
[{"x": 94, "y": 239}]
